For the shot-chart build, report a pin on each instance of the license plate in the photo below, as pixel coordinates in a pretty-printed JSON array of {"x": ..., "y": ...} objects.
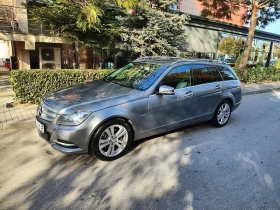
[{"x": 40, "y": 126}]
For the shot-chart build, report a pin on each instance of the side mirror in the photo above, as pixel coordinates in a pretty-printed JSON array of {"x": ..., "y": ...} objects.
[{"x": 166, "y": 90}]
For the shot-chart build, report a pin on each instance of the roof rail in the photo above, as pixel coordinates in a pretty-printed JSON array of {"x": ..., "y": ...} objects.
[
  {"x": 174, "y": 60},
  {"x": 156, "y": 58},
  {"x": 199, "y": 60}
]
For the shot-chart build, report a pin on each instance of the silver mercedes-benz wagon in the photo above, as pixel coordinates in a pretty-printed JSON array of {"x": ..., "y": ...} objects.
[{"x": 151, "y": 95}]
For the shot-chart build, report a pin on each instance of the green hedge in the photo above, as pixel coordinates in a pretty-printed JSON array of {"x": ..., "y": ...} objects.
[
  {"x": 32, "y": 85},
  {"x": 259, "y": 74}
]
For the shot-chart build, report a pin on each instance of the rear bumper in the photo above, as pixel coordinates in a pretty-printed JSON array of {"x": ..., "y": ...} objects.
[{"x": 236, "y": 105}]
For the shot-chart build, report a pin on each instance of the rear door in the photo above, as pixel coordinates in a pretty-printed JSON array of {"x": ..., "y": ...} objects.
[
  {"x": 207, "y": 87},
  {"x": 230, "y": 83}
]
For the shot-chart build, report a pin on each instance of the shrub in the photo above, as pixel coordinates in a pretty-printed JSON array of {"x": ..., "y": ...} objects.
[
  {"x": 259, "y": 74},
  {"x": 277, "y": 65},
  {"x": 238, "y": 60},
  {"x": 32, "y": 85}
]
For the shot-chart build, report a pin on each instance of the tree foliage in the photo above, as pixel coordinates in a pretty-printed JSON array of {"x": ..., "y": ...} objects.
[
  {"x": 259, "y": 13},
  {"x": 230, "y": 45},
  {"x": 90, "y": 22},
  {"x": 277, "y": 65},
  {"x": 153, "y": 30}
]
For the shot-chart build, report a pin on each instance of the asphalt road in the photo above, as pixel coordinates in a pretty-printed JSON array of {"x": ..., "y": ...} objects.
[{"x": 200, "y": 167}]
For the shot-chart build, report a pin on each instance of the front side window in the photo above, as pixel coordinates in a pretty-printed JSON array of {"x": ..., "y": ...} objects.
[
  {"x": 139, "y": 76},
  {"x": 226, "y": 73},
  {"x": 178, "y": 78},
  {"x": 203, "y": 74}
]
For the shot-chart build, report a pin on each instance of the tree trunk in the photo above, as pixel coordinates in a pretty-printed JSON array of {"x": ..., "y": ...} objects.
[{"x": 250, "y": 37}]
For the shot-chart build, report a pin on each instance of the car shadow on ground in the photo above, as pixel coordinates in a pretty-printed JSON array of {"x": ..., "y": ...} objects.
[{"x": 198, "y": 167}]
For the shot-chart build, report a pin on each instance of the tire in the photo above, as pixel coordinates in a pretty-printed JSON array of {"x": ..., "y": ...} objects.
[
  {"x": 222, "y": 114},
  {"x": 111, "y": 140}
]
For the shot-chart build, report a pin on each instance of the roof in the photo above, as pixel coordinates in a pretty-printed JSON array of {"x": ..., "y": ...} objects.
[
  {"x": 216, "y": 25},
  {"x": 167, "y": 61}
]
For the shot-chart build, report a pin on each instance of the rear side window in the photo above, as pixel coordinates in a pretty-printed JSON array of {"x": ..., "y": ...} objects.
[
  {"x": 226, "y": 73},
  {"x": 203, "y": 74}
]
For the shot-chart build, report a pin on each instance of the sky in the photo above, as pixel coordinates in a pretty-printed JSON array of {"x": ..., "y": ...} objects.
[{"x": 273, "y": 27}]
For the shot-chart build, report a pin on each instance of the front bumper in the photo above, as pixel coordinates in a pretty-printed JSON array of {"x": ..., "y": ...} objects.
[{"x": 66, "y": 139}]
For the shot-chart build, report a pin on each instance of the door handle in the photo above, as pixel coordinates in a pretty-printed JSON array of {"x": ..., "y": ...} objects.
[
  {"x": 189, "y": 94},
  {"x": 218, "y": 87}
]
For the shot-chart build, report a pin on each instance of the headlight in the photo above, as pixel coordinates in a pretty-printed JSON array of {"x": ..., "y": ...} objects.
[{"x": 74, "y": 118}]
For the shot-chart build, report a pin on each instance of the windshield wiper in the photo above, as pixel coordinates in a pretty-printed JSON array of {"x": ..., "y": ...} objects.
[{"x": 106, "y": 80}]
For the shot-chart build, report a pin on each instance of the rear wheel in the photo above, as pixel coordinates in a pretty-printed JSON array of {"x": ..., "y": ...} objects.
[
  {"x": 111, "y": 140},
  {"x": 222, "y": 114}
]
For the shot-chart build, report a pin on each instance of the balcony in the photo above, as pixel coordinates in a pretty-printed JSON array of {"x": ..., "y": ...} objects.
[
  {"x": 36, "y": 29},
  {"x": 14, "y": 20},
  {"x": 6, "y": 18}
]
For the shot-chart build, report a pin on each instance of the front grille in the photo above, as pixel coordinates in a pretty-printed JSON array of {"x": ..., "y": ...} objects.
[{"x": 46, "y": 114}]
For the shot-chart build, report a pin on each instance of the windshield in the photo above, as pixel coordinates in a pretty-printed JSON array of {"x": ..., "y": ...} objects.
[{"x": 139, "y": 76}]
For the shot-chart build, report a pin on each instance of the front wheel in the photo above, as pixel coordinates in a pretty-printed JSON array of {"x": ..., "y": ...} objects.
[
  {"x": 222, "y": 114},
  {"x": 111, "y": 140}
]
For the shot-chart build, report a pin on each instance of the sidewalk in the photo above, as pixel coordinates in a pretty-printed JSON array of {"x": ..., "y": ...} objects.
[
  {"x": 250, "y": 89},
  {"x": 23, "y": 115},
  {"x": 6, "y": 93}
]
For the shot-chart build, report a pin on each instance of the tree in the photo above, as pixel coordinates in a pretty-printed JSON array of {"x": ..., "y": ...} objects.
[
  {"x": 277, "y": 48},
  {"x": 153, "y": 30},
  {"x": 87, "y": 21},
  {"x": 277, "y": 65},
  {"x": 259, "y": 12},
  {"x": 230, "y": 45}
]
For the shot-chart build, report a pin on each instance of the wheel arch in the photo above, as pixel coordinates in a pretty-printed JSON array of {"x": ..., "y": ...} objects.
[
  {"x": 229, "y": 99},
  {"x": 107, "y": 120}
]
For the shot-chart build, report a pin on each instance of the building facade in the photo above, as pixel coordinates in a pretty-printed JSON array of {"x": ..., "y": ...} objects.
[
  {"x": 27, "y": 45},
  {"x": 222, "y": 39},
  {"x": 194, "y": 7}
]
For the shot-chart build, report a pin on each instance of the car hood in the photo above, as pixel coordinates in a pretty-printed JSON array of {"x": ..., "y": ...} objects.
[{"x": 89, "y": 96}]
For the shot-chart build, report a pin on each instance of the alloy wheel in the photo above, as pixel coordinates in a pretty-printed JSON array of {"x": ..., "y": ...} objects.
[
  {"x": 223, "y": 113},
  {"x": 113, "y": 140}
]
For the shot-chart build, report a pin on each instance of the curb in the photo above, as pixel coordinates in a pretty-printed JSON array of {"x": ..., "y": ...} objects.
[
  {"x": 3, "y": 104},
  {"x": 254, "y": 92},
  {"x": 30, "y": 123}
]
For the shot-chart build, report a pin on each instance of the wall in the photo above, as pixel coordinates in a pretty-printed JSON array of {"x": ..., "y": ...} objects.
[
  {"x": 21, "y": 15},
  {"x": 189, "y": 6},
  {"x": 202, "y": 40},
  {"x": 25, "y": 63},
  {"x": 194, "y": 7},
  {"x": 23, "y": 56}
]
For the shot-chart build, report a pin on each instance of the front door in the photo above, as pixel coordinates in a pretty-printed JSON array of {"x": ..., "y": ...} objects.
[{"x": 168, "y": 110}]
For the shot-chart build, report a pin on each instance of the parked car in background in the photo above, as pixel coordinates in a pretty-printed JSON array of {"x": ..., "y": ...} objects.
[
  {"x": 230, "y": 60},
  {"x": 272, "y": 62},
  {"x": 149, "y": 96},
  {"x": 222, "y": 60}
]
